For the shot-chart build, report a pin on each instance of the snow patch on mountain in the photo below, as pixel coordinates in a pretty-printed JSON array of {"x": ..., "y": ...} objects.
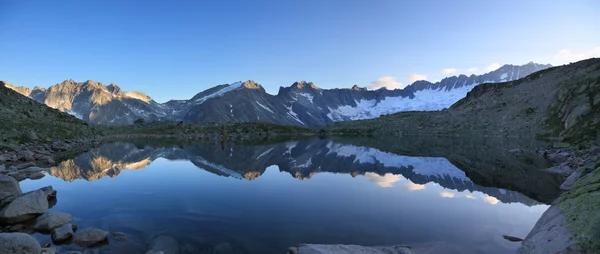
[
  {"x": 265, "y": 107},
  {"x": 75, "y": 114},
  {"x": 229, "y": 88},
  {"x": 429, "y": 100}
]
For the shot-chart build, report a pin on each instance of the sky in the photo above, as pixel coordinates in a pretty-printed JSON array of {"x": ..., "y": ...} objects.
[{"x": 175, "y": 49}]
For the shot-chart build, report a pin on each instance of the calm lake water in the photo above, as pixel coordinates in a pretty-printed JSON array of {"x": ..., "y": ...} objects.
[{"x": 266, "y": 198}]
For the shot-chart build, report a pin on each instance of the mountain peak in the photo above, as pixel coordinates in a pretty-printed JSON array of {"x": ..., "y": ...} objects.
[
  {"x": 250, "y": 84},
  {"x": 304, "y": 85},
  {"x": 358, "y": 88}
]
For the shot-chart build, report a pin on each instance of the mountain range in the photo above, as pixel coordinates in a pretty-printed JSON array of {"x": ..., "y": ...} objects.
[{"x": 301, "y": 104}]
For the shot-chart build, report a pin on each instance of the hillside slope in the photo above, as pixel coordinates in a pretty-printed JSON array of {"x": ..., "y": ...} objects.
[
  {"x": 556, "y": 102},
  {"x": 24, "y": 120}
]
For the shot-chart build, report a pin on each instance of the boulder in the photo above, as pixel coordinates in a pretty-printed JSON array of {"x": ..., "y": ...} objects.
[
  {"x": 17, "y": 175},
  {"x": 59, "y": 146},
  {"x": 90, "y": 237},
  {"x": 512, "y": 238},
  {"x": 49, "y": 191},
  {"x": 562, "y": 169},
  {"x": 25, "y": 207},
  {"x": 25, "y": 165},
  {"x": 62, "y": 233},
  {"x": 19, "y": 243},
  {"x": 163, "y": 245},
  {"x": 49, "y": 221},
  {"x": 570, "y": 181},
  {"x": 49, "y": 250},
  {"x": 2, "y": 167},
  {"x": 9, "y": 187},
  {"x": 27, "y": 155},
  {"x": 36, "y": 176},
  {"x": 348, "y": 249}
]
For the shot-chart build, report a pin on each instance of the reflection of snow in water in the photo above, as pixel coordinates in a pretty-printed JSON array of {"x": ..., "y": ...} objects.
[{"x": 427, "y": 166}]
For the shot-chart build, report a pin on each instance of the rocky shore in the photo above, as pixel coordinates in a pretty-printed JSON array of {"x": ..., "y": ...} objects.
[{"x": 22, "y": 214}]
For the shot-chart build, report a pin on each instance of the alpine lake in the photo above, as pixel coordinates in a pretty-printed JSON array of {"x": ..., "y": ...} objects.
[{"x": 437, "y": 195}]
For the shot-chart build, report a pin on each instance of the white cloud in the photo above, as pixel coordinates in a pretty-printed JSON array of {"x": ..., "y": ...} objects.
[
  {"x": 470, "y": 196},
  {"x": 385, "y": 181},
  {"x": 564, "y": 56},
  {"x": 414, "y": 187},
  {"x": 414, "y": 77},
  {"x": 490, "y": 200},
  {"x": 472, "y": 70},
  {"x": 493, "y": 67},
  {"x": 446, "y": 194},
  {"x": 449, "y": 71},
  {"x": 388, "y": 82}
]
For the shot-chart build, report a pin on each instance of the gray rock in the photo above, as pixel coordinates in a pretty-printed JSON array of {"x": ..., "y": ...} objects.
[
  {"x": 3, "y": 158},
  {"x": 90, "y": 237},
  {"x": 19, "y": 243},
  {"x": 163, "y": 245},
  {"x": 62, "y": 233},
  {"x": 570, "y": 181},
  {"x": 50, "y": 250},
  {"x": 73, "y": 252},
  {"x": 348, "y": 249},
  {"x": 512, "y": 238},
  {"x": 549, "y": 235},
  {"x": 49, "y": 191},
  {"x": 24, "y": 207},
  {"x": 12, "y": 169},
  {"x": 36, "y": 176},
  {"x": 25, "y": 165},
  {"x": 19, "y": 176},
  {"x": 516, "y": 151},
  {"x": 59, "y": 146},
  {"x": 562, "y": 169},
  {"x": 27, "y": 155},
  {"x": 9, "y": 187},
  {"x": 51, "y": 220},
  {"x": 2, "y": 167}
]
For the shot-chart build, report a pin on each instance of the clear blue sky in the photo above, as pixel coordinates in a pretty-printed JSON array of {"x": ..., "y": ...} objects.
[{"x": 174, "y": 49}]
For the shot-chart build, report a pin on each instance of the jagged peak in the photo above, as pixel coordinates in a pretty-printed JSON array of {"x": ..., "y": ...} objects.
[
  {"x": 358, "y": 88},
  {"x": 304, "y": 85},
  {"x": 250, "y": 84}
]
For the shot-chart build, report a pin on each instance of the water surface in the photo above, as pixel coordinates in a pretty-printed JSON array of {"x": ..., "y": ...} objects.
[{"x": 266, "y": 198}]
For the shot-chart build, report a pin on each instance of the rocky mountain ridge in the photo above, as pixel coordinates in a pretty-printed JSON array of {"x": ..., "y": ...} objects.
[{"x": 301, "y": 104}]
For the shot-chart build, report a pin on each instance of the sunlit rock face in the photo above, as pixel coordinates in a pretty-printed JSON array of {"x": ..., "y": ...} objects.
[{"x": 302, "y": 160}]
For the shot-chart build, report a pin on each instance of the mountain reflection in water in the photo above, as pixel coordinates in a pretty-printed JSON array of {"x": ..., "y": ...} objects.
[
  {"x": 302, "y": 159},
  {"x": 265, "y": 198}
]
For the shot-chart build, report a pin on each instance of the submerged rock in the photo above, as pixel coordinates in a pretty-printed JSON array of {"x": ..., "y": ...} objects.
[
  {"x": 90, "y": 237},
  {"x": 25, "y": 207},
  {"x": 164, "y": 245},
  {"x": 512, "y": 238},
  {"x": 348, "y": 249},
  {"x": 62, "y": 233},
  {"x": 49, "y": 221},
  {"x": 19, "y": 243}
]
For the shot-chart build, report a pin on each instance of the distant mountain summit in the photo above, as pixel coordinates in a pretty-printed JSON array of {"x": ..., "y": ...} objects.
[{"x": 301, "y": 104}]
